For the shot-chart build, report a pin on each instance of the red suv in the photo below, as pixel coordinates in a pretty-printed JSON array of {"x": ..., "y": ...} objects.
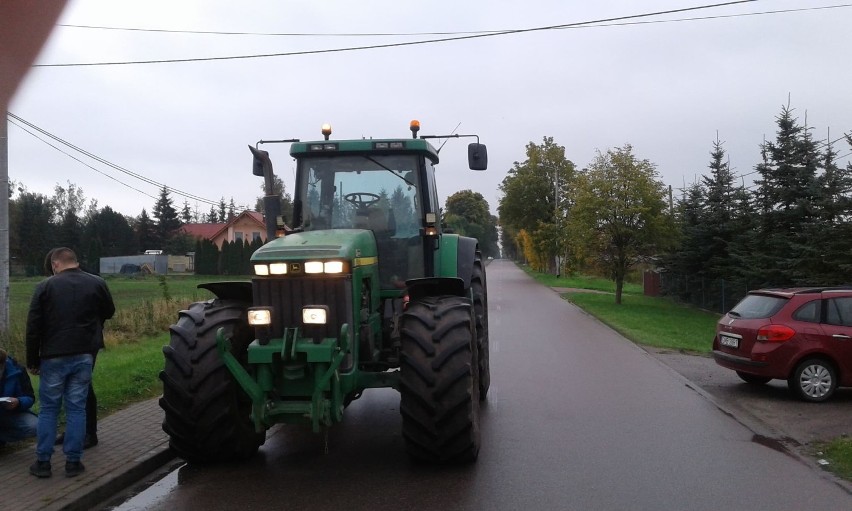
[{"x": 801, "y": 335}]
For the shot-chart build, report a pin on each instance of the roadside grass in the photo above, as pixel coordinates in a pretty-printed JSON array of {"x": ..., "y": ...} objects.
[
  {"x": 650, "y": 321},
  {"x": 839, "y": 454},
  {"x": 662, "y": 323},
  {"x": 582, "y": 282}
]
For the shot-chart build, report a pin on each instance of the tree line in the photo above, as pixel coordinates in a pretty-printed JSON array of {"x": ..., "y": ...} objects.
[
  {"x": 38, "y": 222},
  {"x": 719, "y": 238}
]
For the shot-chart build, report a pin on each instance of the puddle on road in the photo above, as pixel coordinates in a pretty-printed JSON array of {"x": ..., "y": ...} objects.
[
  {"x": 780, "y": 445},
  {"x": 150, "y": 495}
]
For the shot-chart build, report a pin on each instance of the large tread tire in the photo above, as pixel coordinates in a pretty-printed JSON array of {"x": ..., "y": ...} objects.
[
  {"x": 207, "y": 414},
  {"x": 439, "y": 381},
  {"x": 480, "y": 306}
]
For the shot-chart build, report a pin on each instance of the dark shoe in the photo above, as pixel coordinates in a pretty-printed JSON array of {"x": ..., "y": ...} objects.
[
  {"x": 73, "y": 468},
  {"x": 90, "y": 440},
  {"x": 40, "y": 469}
]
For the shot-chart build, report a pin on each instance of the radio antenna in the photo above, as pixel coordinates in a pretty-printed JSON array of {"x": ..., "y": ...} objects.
[{"x": 445, "y": 141}]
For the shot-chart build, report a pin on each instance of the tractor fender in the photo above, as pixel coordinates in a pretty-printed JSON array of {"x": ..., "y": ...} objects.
[
  {"x": 230, "y": 290},
  {"x": 465, "y": 257},
  {"x": 434, "y": 286}
]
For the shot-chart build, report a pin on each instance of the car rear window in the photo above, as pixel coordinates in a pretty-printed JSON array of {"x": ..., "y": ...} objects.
[{"x": 758, "y": 306}]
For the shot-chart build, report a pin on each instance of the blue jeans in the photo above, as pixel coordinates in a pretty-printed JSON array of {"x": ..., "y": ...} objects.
[
  {"x": 63, "y": 378},
  {"x": 16, "y": 426}
]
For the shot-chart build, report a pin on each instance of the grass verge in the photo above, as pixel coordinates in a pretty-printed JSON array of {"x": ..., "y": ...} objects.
[{"x": 838, "y": 452}]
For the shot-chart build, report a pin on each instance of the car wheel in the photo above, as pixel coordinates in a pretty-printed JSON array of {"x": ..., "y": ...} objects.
[
  {"x": 813, "y": 380},
  {"x": 753, "y": 378}
]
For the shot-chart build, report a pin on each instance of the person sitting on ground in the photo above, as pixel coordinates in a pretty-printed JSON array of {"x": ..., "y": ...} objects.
[{"x": 17, "y": 421}]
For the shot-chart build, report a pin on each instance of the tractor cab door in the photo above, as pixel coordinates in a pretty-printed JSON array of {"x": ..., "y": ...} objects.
[{"x": 379, "y": 193}]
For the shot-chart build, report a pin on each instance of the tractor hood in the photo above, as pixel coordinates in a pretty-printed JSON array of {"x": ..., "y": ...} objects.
[{"x": 330, "y": 244}]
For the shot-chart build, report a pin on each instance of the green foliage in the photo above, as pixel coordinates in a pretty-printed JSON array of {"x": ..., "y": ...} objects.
[
  {"x": 468, "y": 214},
  {"x": 31, "y": 230},
  {"x": 107, "y": 234},
  {"x": 280, "y": 190},
  {"x": 537, "y": 194},
  {"x": 206, "y": 258},
  {"x": 793, "y": 229},
  {"x": 619, "y": 215},
  {"x": 146, "y": 237},
  {"x": 164, "y": 286},
  {"x": 168, "y": 222}
]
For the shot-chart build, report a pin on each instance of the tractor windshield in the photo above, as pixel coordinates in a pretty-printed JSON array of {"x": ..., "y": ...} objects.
[{"x": 375, "y": 192}]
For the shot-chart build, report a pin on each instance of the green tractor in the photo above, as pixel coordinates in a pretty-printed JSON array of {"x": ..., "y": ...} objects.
[{"x": 363, "y": 290}]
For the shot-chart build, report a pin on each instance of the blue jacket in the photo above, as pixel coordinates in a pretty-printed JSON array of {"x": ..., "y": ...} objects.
[{"x": 16, "y": 383}]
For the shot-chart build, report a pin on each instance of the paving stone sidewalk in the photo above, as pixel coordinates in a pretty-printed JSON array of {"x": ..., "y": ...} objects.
[{"x": 131, "y": 445}]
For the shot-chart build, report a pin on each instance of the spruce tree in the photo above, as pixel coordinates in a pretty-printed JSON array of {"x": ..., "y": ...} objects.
[
  {"x": 785, "y": 200},
  {"x": 168, "y": 222},
  {"x": 145, "y": 232}
]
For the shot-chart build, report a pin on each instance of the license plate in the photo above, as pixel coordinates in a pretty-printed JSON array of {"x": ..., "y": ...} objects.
[{"x": 731, "y": 342}]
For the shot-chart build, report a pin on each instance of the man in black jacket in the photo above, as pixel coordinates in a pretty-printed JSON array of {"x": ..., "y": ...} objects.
[{"x": 66, "y": 314}]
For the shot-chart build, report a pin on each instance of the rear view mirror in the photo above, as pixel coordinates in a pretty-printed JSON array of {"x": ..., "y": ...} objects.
[
  {"x": 477, "y": 156},
  {"x": 261, "y": 159}
]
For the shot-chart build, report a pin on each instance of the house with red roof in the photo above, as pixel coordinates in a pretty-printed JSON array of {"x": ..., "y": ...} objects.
[{"x": 247, "y": 226}]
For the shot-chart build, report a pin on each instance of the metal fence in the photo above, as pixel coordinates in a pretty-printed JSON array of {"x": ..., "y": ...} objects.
[{"x": 718, "y": 295}]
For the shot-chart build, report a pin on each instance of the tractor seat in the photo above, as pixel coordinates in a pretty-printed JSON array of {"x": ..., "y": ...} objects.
[{"x": 373, "y": 219}]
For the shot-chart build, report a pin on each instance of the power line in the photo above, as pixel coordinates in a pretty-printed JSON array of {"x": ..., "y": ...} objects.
[
  {"x": 410, "y": 43},
  {"x": 15, "y": 123},
  {"x": 419, "y": 34},
  {"x": 110, "y": 164},
  {"x": 280, "y": 34}
]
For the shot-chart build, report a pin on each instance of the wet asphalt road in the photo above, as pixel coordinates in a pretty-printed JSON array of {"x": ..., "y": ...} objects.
[{"x": 577, "y": 418}]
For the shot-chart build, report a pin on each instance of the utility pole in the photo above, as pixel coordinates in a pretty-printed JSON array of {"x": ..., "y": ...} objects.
[
  {"x": 4, "y": 227},
  {"x": 556, "y": 218}
]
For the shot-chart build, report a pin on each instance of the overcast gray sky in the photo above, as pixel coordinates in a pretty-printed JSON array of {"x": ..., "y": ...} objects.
[{"x": 666, "y": 88}]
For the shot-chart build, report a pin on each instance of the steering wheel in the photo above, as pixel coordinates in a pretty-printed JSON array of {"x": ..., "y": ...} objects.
[{"x": 362, "y": 199}]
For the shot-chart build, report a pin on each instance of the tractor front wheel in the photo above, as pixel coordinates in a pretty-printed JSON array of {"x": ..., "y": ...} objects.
[
  {"x": 439, "y": 380},
  {"x": 207, "y": 414}
]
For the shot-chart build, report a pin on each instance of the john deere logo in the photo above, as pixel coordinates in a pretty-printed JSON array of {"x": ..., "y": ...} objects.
[{"x": 296, "y": 267}]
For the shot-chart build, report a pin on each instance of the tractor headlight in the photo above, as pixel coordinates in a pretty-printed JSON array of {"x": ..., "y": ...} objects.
[
  {"x": 325, "y": 267},
  {"x": 278, "y": 268},
  {"x": 261, "y": 269},
  {"x": 313, "y": 267},
  {"x": 315, "y": 314},
  {"x": 259, "y": 317},
  {"x": 333, "y": 267}
]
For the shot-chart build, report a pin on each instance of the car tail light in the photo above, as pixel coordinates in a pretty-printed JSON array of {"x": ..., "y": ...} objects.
[{"x": 775, "y": 333}]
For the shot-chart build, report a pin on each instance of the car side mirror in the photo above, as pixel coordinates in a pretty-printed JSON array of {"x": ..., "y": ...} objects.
[{"x": 477, "y": 156}]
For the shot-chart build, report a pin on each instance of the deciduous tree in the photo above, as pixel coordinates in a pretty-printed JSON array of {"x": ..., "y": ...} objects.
[{"x": 619, "y": 215}]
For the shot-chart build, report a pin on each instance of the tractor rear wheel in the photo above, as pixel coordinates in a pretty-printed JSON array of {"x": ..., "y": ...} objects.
[
  {"x": 207, "y": 414},
  {"x": 439, "y": 384},
  {"x": 480, "y": 306}
]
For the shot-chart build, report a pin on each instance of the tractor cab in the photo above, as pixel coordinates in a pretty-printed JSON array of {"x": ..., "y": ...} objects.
[{"x": 381, "y": 193}]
